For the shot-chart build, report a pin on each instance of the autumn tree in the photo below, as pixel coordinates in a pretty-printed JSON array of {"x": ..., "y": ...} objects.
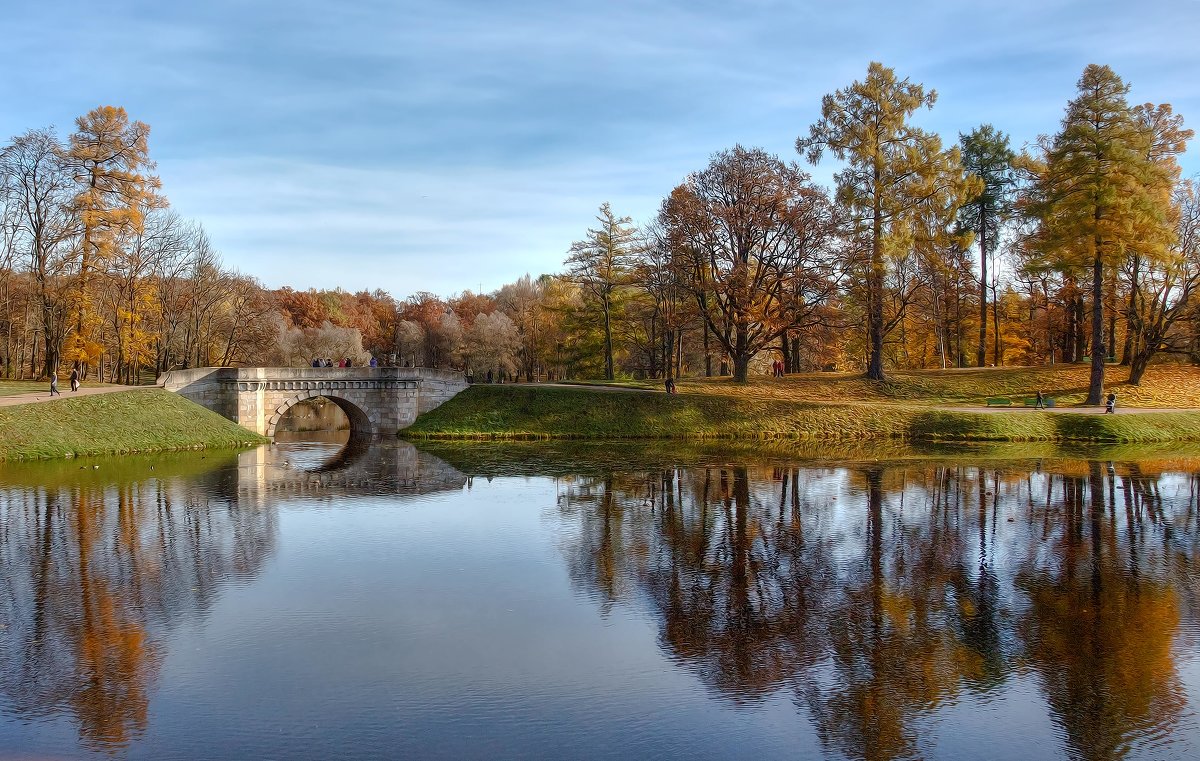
[
  {"x": 37, "y": 186},
  {"x": 600, "y": 265},
  {"x": 1164, "y": 137},
  {"x": 492, "y": 342},
  {"x": 1098, "y": 195},
  {"x": 893, "y": 170},
  {"x": 110, "y": 160},
  {"x": 987, "y": 156},
  {"x": 1163, "y": 291},
  {"x": 755, "y": 239}
]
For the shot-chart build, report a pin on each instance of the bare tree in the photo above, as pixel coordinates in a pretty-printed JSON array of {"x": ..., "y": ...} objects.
[{"x": 38, "y": 186}]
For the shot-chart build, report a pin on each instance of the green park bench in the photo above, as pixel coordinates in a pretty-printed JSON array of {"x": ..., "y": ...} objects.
[{"x": 999, "y": 401}]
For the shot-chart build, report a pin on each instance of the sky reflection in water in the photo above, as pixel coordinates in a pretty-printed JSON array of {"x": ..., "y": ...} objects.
[{"x": 308, "y": 601}]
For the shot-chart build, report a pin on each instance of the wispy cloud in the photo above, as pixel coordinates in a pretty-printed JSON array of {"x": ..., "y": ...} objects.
[{"x": 453, "y": 144}]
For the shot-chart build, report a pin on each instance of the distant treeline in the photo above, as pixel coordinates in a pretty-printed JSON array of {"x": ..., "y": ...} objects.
[{"x": 1084, "y": 245}]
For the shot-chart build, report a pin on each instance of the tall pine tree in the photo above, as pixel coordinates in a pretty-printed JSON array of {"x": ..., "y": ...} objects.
[
  {"x": 986, "y": 155},
  {"x": 1099, "y": 194},
  {"x": 894, "y": 174}
]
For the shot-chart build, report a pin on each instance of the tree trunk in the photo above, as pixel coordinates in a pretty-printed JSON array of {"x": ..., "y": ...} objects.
[
  {"x": 741, "y": 368},
  {"x": 1137, "y": 367},
  {"x": 1096, "y": 383},
  {"x": 981, "y": 349},
  {"x": 1132, "y": 321},
  {"x": 707, "y": 354},
  {"x": 997, "y": 357},
  {"x": 875, "y": 287},
  {"x": 608, "y": 348}
]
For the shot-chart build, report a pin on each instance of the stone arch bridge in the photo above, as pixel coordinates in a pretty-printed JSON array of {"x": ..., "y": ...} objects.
[{"x": 379, "y": 401}]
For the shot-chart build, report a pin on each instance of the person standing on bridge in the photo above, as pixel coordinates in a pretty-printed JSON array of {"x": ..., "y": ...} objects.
[{"x": 374, "y": 362}]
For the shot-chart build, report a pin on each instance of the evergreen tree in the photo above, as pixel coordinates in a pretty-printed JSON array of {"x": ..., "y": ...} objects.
[
  {"x": 893, "y": 171},
  {"x": 987, "y": 156},
  {"x": 601, "y": 264},
  {"x": 1099, "y": 194}
]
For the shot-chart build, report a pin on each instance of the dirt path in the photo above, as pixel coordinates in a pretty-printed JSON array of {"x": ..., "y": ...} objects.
[
  {"x": 44, "y": 396},
  {"x": 1069, "y": 410}
]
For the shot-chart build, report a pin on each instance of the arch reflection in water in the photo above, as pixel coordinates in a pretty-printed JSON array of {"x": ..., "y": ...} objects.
[{"x": 878, "y": 595}]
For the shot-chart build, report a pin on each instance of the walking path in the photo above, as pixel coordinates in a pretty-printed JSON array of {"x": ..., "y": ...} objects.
[{"x": 44, "y": 396}]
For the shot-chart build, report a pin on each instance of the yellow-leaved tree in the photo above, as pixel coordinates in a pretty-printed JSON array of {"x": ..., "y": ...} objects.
[{"x": 111, "y": 165}]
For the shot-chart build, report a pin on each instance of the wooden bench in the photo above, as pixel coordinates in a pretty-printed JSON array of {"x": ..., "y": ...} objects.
[{"x": 999, "y": 401}]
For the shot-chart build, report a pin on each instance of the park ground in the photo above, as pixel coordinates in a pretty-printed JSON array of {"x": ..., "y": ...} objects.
[
  {"x": 929, "y": 405},
  {"x": 914, "y": 406},
  {"x": 110, "y": 421}
]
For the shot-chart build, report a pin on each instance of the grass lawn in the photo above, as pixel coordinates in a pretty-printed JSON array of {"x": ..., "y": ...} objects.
[
  {"x": 142, "y": 420},
  {"x": 828, "y": 406},
  {"x": 15, "y": 388},
  {"x": 1163, "y": 386}
]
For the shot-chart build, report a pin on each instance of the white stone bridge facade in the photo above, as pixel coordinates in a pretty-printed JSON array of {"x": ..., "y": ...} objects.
[{"x": 379, "y": 401}]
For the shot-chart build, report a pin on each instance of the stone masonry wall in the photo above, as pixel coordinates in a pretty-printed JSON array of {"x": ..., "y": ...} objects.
[{"x": 380, "y": 401}]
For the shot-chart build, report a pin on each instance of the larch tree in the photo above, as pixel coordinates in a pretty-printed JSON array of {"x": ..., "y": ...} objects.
[
  {"x": 1098, "y": 194},
  {"x": 893, "y": 170},
  {"x": 987, "y": 156},
  {"x": 756, "y": 239},
  {"x": 111, "y": 164},
  {"x": 600, "y": 264},
  {"x": 1164, "y": 137}
]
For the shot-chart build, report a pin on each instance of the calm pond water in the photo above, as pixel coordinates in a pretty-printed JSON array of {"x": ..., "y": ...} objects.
[{"x": 521, "y": 601}]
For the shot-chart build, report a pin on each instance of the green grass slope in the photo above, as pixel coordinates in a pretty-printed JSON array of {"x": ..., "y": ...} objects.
[
  {"x": 145, "y": 420},
  {"x": 530, "y": 412}
]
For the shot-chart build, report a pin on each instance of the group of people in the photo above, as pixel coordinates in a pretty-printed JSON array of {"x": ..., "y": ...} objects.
[
  {"x": 347, "y": 362},
  {"x": 777, "y": 368},
  {"x": 54, "y": 381}
]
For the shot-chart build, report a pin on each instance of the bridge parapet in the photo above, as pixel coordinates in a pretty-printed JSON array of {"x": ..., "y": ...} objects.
[{"x": 379, "y": 401}]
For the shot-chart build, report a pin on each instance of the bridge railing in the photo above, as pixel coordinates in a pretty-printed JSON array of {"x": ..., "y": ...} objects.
[{"x": 174, "y": 380}]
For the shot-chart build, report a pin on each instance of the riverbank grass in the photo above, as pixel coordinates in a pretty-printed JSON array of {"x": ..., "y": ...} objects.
[
  {"x": 790, "y": 409},
  {"x": 142, "y": 420}
]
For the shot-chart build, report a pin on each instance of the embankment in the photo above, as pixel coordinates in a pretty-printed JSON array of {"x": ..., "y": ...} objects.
[
  {"x": 144, "y": 420},
  {"x": 530, "y": 412}
]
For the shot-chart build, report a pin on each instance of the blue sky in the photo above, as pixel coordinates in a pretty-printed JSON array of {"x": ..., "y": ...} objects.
[{"x": 457, "y": 144}]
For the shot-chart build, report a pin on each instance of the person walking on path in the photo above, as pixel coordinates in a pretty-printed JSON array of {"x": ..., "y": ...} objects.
[
  {"x": 54, "y": 384},
  {"x": 1041, "y": 401},
  {"x": 1110, "y": 404},
  {"x": 74, "y": 379}
]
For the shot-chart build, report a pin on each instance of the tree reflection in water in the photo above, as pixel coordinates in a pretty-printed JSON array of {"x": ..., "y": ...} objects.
[
  {"x": 95, "y": 574},
  {"x": 876, "y": 594}
]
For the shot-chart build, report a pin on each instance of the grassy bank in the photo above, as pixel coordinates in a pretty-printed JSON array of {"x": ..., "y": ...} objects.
[
  {"x": 1164, "y": 386},
  {"x": 713, "y": 411},
  {"x": 594, "y": 457},
  {"x": 144, "y": 420}
]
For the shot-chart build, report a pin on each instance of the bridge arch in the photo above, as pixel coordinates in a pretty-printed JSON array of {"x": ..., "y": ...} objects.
[
  {"x": 379, "y": 401},
  {"x": 361, "y": 424}
]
